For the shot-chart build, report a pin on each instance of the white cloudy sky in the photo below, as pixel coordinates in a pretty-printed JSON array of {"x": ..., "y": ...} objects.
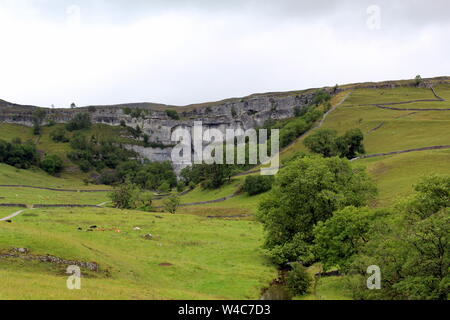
[{"x": 188, "y": 51}]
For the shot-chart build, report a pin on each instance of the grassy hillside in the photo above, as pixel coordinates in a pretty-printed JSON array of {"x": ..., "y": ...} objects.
[
  {"x": 391, "y": 130},
  {"x": 190, "y": 257},
  {"x": 46, "y": 145}
]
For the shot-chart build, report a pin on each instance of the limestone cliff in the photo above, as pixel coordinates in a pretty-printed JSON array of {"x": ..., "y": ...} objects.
[{"x": 245, "y": 113}]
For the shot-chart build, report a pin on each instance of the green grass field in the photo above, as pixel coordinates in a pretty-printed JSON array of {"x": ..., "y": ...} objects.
[{"x": 209, "y": 259}]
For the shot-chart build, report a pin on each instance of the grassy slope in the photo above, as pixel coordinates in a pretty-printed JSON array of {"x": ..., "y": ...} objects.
[
  {"x": 46, "y": 145},
  {"x": 211, "y": 258},
  {"x": 401, "y": 130},
  {"x": 38, "y": 178}
]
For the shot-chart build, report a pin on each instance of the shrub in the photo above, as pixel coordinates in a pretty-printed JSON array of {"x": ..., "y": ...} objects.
[
  {"x": 37, "y": 130},
  {"x": 85, "y": 166},
  {"x": 124, "y": 195},
  {"x": 109, "y": 177},
  {"x": 171, "y": 204},
  {"x": 79, "y": 122},
  {"x": 418, "y": 79},
  {"x": 59, "y": 135},
  {"x": 52, "y": 164},
  {"x": 79, "y": 142},
  {"x": 181, "y": 186},
  {"x": 233, "y": 112},
  {"x": 164, "y": 187},
  {"x": 350, "y": 145},
  {"x": 328, "y": 144},
  {"x": 142, "y": 200},
  {"x": 321, "y": 96},
  {"x": 257, "y": 184},
  {"x": 298, "y": 280},
  {"x": 21, "y": 156},
  {"x": 173, "y": 114},
  {"x": 322, "y": 142},
  {"x": 300, "y": 111}
]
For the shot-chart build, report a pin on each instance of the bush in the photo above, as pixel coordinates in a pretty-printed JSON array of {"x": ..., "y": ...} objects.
[
  {"x": 85, "y": 166},
  {"x": 135, "y": 132},
  {"x": 108, "y": 177},
  {"x": 328, "y": 144},
  {"x": 298, "y": 280},
  {"x": 39, "y": 116},
  {"x": 418, "y": 79},
  {"x": 321, "y": 97},
  {"x": 350, "y": 145},
  {"x": 171, "y": 204},
  {"x": 181, "y": 186},
  {"x": 254, "y": 185},
  {"x": 142, "y": 200},
  {"x": 21, "y": 156},
  {"x": 59, "y": 135},
  {"x": 164, "y": 187},
  {"x": 322, "y": 142},
  {"x": 293, "y": 130},
  {"x": 233, "y": 112},
  {"x": 79, "y": 122},
  {"x": 52, "y": 164},
  {"x": 173, "y": 114},
  {"x": 122, "y": 196},
  {"x": 37, "y": 130}
]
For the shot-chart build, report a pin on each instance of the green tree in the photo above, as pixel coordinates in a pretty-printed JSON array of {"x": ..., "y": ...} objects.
[
  {"x": 254, "y": 185},
  {"x": 338, "y": 239},
  {"x": 327, "y": 143},
  {"x": 350, "y": 145},
  {"x": 298, "y": 280},
  {"x": 320, "y": 97},
  {"x": 142, "y": 200},
  {"x": 59, "y": 135},
  {"x": 52, "y": 164},
  {"x": 433, "y": 194},
  {"x": 123, "y": 196},
  {"x": 164, "y": 187},
  {"x": 38, "y": 117},
  {"x": 418, "y": 80},
  {"x": 305, "y": 192},
  {"x": 80, "y": 121},
  {"x": 171, "y": 204},
  {"x": 411, "y": 247},
  {"x": 173, "y": 114},
  {"x": 322, "y": 142}
]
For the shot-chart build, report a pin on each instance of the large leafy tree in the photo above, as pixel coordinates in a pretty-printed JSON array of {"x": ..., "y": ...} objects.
[
  {"x": 323, "y": 142},
  {"x": 327, "y": 143},
  {"x": 411, "y": 247},
  {"x": 306, "y": 192}
]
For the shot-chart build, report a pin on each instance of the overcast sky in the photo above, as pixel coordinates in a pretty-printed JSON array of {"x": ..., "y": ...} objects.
[{"x": 181, "y": 52}]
